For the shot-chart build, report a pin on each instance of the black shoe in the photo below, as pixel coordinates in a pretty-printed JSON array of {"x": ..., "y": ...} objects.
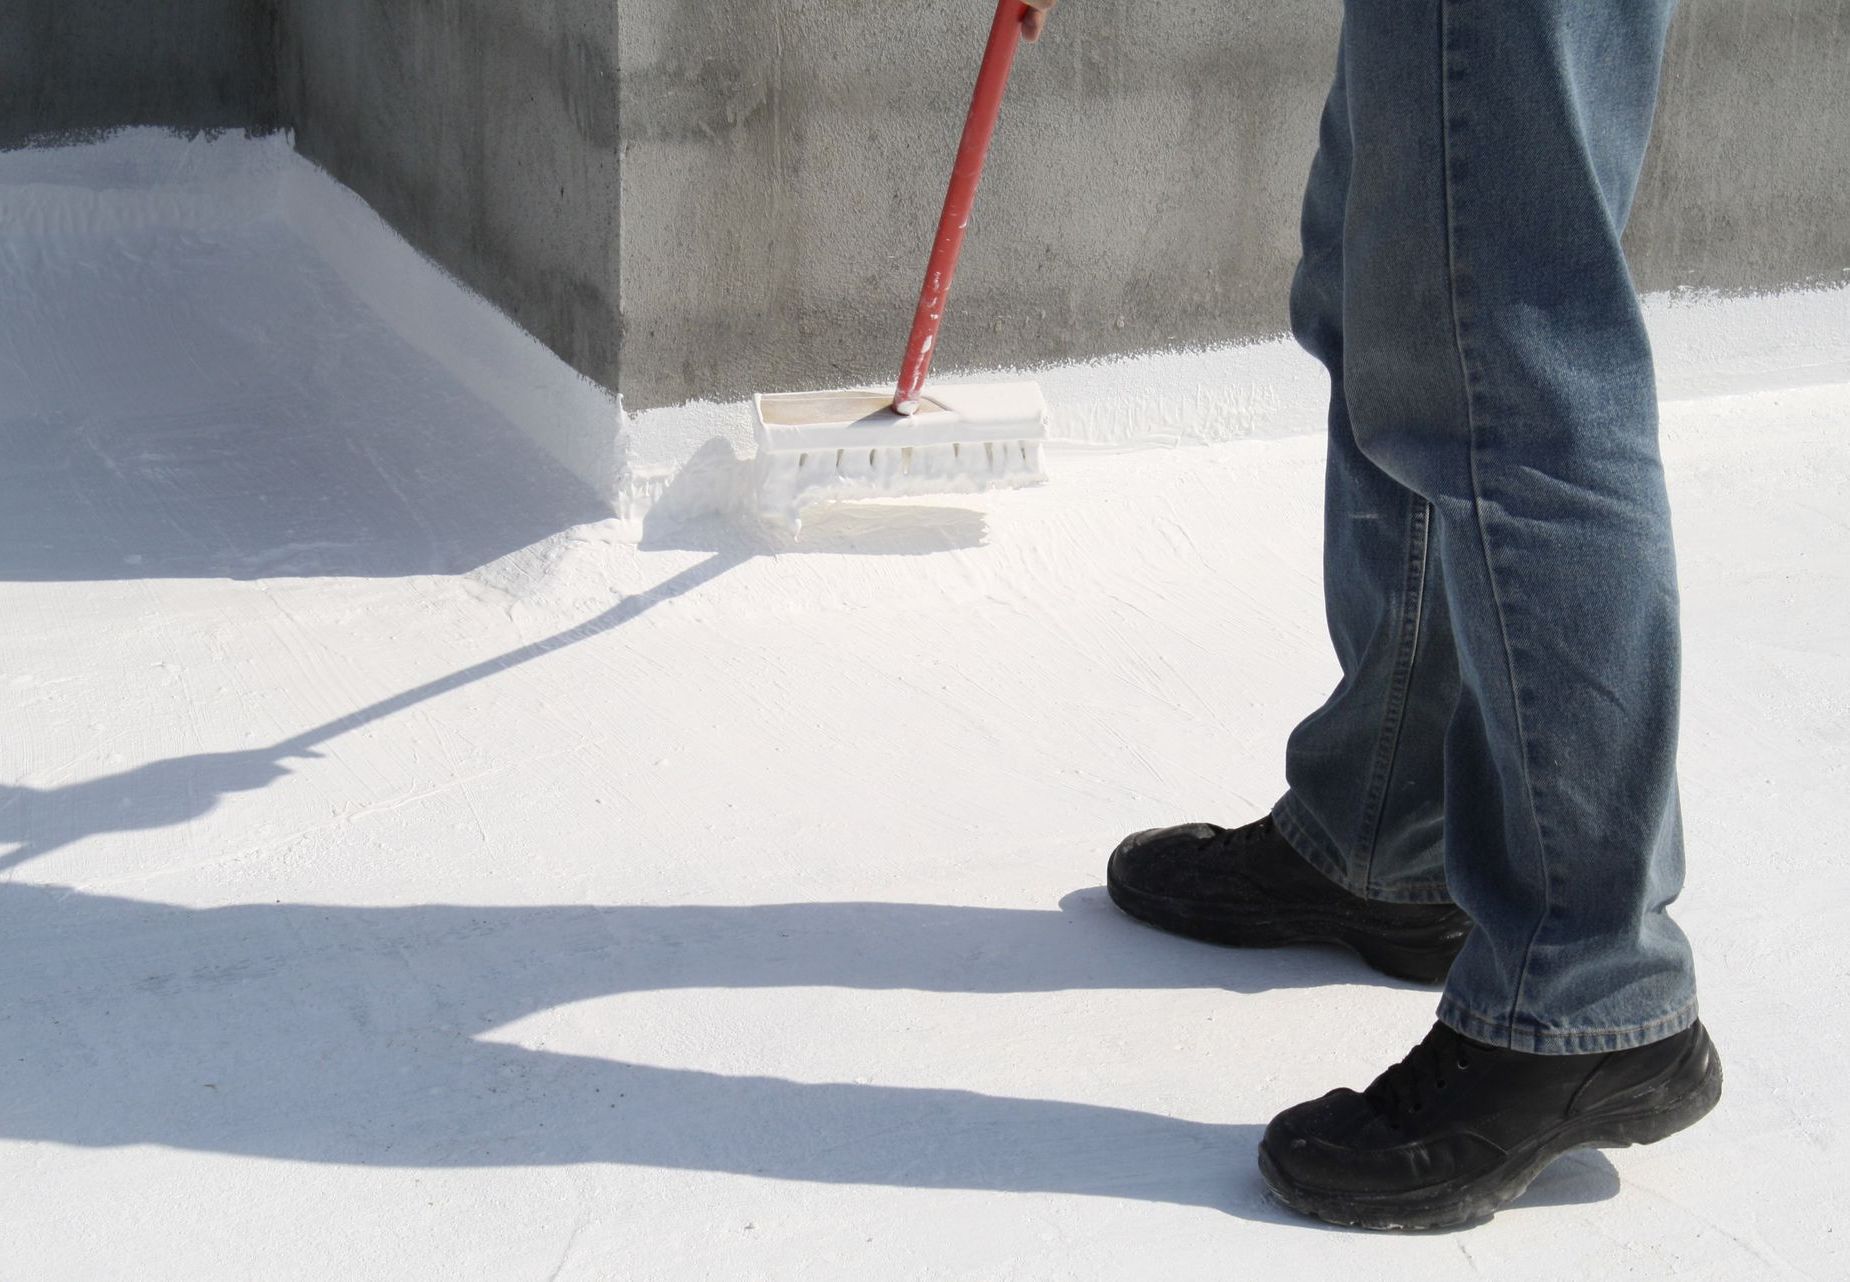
[
  {"x": 1458, "y": 1129},
  {"x": 1248, "y": 887}
]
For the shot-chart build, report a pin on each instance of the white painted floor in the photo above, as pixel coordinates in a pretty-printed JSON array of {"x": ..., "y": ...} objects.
[{"x": 408, "y": 875}]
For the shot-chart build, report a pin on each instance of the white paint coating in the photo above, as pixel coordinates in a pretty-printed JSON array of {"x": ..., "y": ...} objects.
[
  {"x": 598, "y": 908},
  {"x": 694, "y": 458},
  {"x": 566, "y": 414},
  {"x": 140, "y": 180}
]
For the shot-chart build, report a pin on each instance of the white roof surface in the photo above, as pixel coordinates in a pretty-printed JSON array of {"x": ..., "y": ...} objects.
[{"x": 408, "y": 874}]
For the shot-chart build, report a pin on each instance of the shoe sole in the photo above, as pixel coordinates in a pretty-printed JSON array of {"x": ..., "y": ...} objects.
[
  {"x": 1423, "y": 955},
  {"x": 1639, "y": 1116}
]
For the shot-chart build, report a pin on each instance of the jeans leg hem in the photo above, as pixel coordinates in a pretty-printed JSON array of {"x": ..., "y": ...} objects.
[
  {"x": 1548, "y": 1041},
  {"x": 1320, "y": 853}
]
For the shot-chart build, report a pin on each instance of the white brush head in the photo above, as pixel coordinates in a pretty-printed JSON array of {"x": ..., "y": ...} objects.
[{"x": 818, "y": 447}]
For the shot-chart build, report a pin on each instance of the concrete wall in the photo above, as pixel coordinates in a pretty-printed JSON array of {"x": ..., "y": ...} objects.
[
  {"x": 1747, "y": 186},
  {"x": 783, "y": 165},
  {"x": 702, "y": 198},
  {"x": 70, "y": 67},
  {"x": 486, "y": 131}
]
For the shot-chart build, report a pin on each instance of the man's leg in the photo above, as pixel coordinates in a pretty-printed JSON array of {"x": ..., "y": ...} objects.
[
  {"x": 1494, "y": 362},
  {"x": 1366, "y": 770},
  {"x": 1352, "y": 855}
]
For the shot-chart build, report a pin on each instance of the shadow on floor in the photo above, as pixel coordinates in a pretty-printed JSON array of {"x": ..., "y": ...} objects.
[
  {"x": 240, "y": 496},
  {"x": 358, "y": 1036},
  {"x": 178, "y": 789},
  {"x": 35, "y": 822},
  {"x": 222, "y": 406}
]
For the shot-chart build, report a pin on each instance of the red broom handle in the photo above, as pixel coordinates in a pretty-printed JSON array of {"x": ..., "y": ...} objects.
[{"x": 979, "y": 128}]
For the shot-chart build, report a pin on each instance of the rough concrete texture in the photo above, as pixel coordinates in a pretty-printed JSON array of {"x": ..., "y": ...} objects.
[
  {"x": 783, "y": 165},
  {"x": 73, "y": 67},
  {"x": 486, "y": 131},
  {"x": 702, "y": 198},
  {"x": 1747, "y": 186}
]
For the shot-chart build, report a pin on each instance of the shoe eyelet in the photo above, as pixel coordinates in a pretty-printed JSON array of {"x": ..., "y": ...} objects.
[{"x": 1462, "y": 1063}]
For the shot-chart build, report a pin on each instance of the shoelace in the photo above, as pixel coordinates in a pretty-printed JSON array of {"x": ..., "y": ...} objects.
[{"x": 1410, "y": 1085}]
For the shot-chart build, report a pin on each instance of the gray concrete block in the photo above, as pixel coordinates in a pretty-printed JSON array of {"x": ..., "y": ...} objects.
[
  {"x": 783, "y": 165},
  {"x": 783, "y": 170},
  {"x": 486, "y": 131},
  {"x": 73, "y": 67},
  {"x": 1747, "y": 184},
  {"x": 701, "y": 198}
]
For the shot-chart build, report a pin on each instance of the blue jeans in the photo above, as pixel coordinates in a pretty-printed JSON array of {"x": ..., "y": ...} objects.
[{"x": 1498, "y": 570}]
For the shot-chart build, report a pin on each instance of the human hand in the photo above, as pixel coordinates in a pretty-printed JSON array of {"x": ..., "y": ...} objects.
[{"x": 1035, "y": 20}]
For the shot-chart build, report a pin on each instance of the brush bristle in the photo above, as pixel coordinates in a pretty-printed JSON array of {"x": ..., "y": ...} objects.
[
  {"x": 791, "y": 480},
  {"x": 819, "y": 447}
]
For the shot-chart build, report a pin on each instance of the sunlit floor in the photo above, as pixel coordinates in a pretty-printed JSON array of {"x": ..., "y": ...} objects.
[{"x": 406, "y": 874}]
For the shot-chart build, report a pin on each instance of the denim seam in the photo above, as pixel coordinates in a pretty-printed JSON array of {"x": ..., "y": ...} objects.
[
  {"x": 1649, "y": 1025},
  {"x": 1315, "y": 849},
  {"x": 1447, "y": 69},
  {"x": 1400, "y": 685},
  {"x": 1312, "y": 847},
  {"x": 1462, "y": 1019}
]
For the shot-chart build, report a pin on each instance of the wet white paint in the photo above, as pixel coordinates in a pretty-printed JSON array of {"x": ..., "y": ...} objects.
[{"x": 408, "y": 873}]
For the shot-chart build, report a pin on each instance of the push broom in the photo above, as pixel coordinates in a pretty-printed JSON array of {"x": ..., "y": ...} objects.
[{"x": 816, "y": 447}]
